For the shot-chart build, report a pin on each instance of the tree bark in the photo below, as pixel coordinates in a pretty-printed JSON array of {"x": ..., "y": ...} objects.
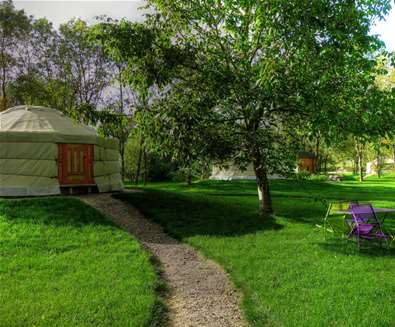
[
  {"x": 360, "y": 169},
  {"x": 360, "y": 165},
  {"x": 358, "y": 149},
  {"x": 265, "y": 200},
  {"x": 356, "y": 166},
  {"x": 393, "y": 154},
  {"x": 122, "y": 152},
  {"x": 145, "y": 167},
  {"x": 317, "y": 155},
  {"x": 326, "y": 164},
  {"x": 378, "y": 165},
  {"x": 189, "y": 176},
  {"x": 139, "y": 159},
  {"x": 123, "y": 139},
  {"x": 3, "y": 90}
]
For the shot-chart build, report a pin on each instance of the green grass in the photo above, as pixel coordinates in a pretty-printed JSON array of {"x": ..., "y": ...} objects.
[
  {"x": 63, "y": 264},
  {"x": 289, "y": 275}
]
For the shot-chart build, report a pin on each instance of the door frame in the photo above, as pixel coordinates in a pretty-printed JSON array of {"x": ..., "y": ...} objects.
[{"x": 63, "y": 176}]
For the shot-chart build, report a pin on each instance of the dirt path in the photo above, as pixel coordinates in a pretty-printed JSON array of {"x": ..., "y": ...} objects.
[{"x": 200, "y": 291}]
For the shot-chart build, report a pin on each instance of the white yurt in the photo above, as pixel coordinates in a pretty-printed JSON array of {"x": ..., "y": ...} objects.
[
  {"x": 231, "y": 172},
  {"x": 43, "y": 152}
]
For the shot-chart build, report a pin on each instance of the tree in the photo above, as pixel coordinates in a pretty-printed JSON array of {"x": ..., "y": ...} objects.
[
  {"x": 269, "y": 66},
  {"x": 130, "y": 45},
  {"x": 83, "y": 66},
  {"x": 14, "y": 26},
  {"x": 179, "y": 114}
]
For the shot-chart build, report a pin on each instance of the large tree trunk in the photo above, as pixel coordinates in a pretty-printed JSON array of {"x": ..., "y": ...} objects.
[{"x": 265, "y": 200}]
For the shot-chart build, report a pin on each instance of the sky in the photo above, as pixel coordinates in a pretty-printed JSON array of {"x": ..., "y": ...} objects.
[{"x": 60, "y": 11}]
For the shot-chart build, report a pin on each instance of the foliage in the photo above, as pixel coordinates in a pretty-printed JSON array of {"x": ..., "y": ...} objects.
[
  {"x": 159, "y": 169},
  {"x": 62, "y": 263},
  {"x": 14, "y": 28},
  {"x": 263, "y": 68}
]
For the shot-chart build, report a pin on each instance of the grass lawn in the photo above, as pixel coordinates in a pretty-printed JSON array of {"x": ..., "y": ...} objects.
[
  {"x": 288, "y": 274},
  {"x": 63, "y": 264}
]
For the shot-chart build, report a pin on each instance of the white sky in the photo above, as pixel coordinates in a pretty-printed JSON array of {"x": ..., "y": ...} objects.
[{"x": 60, "y": 11}]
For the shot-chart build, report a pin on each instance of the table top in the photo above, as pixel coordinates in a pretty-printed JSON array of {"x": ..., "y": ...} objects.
[{"x": 376, "y": 210}]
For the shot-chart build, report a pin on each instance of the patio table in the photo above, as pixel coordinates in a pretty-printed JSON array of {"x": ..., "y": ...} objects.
[
  {"x": 385, "y": 211},
  {"x": 376, "y": 210}
]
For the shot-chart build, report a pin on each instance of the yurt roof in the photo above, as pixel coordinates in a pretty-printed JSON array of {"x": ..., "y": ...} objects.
[
  {"x": 306, "y": 154},
  {"x": 41, "y": 124}
]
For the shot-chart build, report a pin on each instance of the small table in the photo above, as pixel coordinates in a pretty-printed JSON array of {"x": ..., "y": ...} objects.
[{"x": 376, "y": 211}]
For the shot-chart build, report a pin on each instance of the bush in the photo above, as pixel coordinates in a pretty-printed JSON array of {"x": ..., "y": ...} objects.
[
  {"x": 302, "y": 175},
  {"x": 306, "y": 175},
  {"x": 319, "y": 177},
  {"x": 159, "y": 168}
]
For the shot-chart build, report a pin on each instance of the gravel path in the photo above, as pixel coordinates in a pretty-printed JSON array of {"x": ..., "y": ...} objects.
[{"x": 200, "y": 291}]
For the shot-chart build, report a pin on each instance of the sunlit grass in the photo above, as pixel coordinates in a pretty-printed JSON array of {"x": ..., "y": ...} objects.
[{"x": 289, "y": 275}]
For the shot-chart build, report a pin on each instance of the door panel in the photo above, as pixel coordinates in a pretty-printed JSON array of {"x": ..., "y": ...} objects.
[{"x": 75, "y": 164}]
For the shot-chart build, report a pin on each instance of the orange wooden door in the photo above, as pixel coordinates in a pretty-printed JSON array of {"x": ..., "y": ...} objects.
[{"x": 75, "y": 164}]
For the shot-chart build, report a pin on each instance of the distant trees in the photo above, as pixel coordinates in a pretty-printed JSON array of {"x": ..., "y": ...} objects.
[
  {"x": 14, "y": 29},
  {"x": 64, "y": 69}
]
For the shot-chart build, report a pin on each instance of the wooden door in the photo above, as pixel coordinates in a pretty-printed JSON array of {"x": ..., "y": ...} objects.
[
  {"x": 75, "y": 164},
  {"x": 307, "y": 164}
]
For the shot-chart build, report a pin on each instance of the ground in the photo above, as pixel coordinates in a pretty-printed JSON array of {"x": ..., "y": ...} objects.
[
  {"x": 63, "y": 264},
  {"x": 199, "y": 291},
  {"x": 288, "y": 274}
]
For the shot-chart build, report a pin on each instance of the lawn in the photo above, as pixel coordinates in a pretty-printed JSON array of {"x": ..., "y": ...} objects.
[
  {"x": 289, "y": 275},
  {"x": 63, "y": 264}
]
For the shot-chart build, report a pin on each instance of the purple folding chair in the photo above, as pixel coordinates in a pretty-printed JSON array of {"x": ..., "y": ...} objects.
[{"x": 365, "y": 225}]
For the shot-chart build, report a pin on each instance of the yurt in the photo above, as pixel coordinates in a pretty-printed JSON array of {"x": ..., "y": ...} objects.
[
  {"x": 307, "y": 161},
  {"x": 43, "y": 152},
  {"x": 231, "y": 173}
]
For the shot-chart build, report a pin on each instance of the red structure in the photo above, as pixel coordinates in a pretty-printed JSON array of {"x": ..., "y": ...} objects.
[
  {"x": 75, "y": 165},
  {"x": 307, "y": 162}
]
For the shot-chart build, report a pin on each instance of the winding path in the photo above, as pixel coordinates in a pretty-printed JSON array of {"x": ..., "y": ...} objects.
[{"x": 200, "y": 291}]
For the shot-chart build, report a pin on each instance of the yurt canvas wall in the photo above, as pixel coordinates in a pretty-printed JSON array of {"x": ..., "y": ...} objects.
[
  {"x": 106, "y": 166},
  {"x": 231, "y": 173}
]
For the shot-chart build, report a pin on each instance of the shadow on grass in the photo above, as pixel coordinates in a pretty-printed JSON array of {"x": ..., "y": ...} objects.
[
  {"x": 51, "y": 211},
  {"x": 183, "y": 215}
]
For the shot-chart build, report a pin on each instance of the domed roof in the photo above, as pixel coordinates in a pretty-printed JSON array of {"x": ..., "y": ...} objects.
[{"x": 43, "y": 124}]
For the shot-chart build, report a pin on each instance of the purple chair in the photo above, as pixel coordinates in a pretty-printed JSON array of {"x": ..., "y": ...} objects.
[{"x": 365, "y": 225}]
